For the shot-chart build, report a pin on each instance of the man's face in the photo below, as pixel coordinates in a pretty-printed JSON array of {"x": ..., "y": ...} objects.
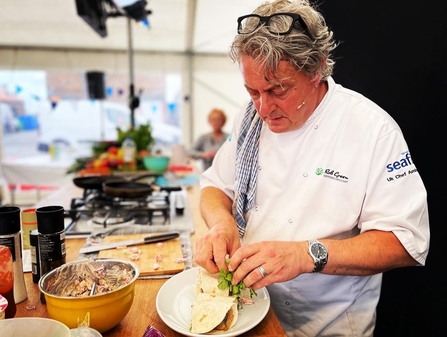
[{"x": 277, "y": 102}]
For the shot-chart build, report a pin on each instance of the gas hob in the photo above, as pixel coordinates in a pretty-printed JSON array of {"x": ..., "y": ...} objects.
[{"x": 95, "y": 212}]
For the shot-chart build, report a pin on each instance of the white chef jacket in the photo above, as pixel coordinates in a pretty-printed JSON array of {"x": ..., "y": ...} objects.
[{"x": 347, "y": 170}]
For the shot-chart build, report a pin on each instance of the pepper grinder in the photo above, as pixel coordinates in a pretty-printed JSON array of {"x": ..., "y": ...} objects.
[
  {"x": 11, "y": 237},
  {"x": 50, "y": 239}
]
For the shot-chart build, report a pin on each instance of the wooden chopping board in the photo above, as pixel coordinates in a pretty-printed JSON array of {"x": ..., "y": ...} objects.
[{"x": 146, "y": 255}]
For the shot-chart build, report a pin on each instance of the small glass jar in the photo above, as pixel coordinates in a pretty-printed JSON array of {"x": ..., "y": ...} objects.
[
  {"x": 29, "y": 223},
  {"x": 7, "y": 281}
]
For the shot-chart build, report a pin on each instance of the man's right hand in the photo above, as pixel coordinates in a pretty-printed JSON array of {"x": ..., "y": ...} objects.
[{"x": 212, "y": 249}]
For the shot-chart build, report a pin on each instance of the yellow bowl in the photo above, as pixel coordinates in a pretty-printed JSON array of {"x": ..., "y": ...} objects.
[
  {"x": 101, "y": 311},
  {"x": 156, "y": 164}
]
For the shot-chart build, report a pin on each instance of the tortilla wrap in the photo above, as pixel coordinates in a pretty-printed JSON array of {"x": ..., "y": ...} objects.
[
  {"x": 207, "y": 283},
  {"x": 212, "y": 314}
]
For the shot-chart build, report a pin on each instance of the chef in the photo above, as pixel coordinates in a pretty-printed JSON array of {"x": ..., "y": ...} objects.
[{"x": 315, "y": 194}]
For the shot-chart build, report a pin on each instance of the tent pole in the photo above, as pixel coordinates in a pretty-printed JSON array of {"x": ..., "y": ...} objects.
[{"x": 132, "y": 99}]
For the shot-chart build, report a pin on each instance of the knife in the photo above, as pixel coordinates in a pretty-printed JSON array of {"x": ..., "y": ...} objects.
[{"x": 123, "y": 243}]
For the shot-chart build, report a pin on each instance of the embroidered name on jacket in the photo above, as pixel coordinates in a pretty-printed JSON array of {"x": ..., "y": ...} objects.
[{"x": 332, "y": 174}]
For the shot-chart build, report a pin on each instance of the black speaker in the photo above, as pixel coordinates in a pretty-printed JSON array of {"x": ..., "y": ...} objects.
[{"x": 96, "y": 85}]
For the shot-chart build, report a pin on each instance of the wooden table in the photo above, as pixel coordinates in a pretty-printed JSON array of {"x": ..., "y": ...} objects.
[{"x": 143, "y": 311}]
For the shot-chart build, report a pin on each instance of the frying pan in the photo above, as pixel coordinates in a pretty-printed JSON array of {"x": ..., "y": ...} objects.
[
  {"x": 95, "y": 182},
  {"x": 132, "y": 189},
  {"x": 126, "y": 189}
]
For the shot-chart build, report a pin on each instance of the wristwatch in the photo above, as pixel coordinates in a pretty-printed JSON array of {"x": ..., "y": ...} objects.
[{"x": 319, "y": 254}]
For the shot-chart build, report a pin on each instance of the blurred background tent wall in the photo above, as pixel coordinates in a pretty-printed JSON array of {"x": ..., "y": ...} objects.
[{"x": 207, "y": 80}]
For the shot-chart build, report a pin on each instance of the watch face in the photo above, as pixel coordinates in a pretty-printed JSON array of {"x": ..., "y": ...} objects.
[{"x": 318, "y": 250}]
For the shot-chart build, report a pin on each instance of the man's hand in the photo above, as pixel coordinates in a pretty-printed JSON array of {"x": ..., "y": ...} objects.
[
  {"x": 212, "y": 249},
  {"x": 281, "y": 261}
]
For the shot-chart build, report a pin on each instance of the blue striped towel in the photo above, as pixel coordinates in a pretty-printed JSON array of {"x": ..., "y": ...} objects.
[{"x": 246, "y": 166}]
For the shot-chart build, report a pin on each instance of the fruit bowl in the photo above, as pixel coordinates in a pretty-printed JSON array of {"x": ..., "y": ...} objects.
[{"x": 156, "y": 164}]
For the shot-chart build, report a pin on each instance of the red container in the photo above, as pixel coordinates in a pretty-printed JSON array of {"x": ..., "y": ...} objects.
[{"x": 7, "y": 281}]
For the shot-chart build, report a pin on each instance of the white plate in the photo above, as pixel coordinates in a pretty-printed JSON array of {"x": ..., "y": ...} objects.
[{"x": 175, "y": 297}]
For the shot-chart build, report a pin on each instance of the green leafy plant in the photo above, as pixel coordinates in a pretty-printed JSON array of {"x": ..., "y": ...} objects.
[{"x": 142, "y": 136}]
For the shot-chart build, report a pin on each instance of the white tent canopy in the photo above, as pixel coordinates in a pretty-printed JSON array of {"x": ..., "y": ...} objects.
[
  {"x": 191, "y": 37},
  {"x": 176, "y": 26}
]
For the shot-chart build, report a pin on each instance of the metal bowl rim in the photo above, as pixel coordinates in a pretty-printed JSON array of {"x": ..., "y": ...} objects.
[{"x": 52, "y": 272}]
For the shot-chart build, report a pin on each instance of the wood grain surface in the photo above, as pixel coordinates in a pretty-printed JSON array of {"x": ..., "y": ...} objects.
[{"x": 146, "y": 254}]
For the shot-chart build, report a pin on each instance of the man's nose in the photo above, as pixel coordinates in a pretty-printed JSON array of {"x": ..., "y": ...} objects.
[{"x": 266, "y": 105}]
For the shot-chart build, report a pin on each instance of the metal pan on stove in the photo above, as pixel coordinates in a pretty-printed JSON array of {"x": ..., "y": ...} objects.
[
  {"x": 132, "y": 189},
  {"x": 95, "y": 182},
  {"x": 126, "y": 189}
]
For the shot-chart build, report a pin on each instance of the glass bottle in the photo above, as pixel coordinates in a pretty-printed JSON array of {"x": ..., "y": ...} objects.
[{"x": 129, "y": 154}]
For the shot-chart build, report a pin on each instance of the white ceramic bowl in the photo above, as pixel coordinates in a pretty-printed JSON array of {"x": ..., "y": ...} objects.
[
  {"x": 85, "y": 332},
  {"x": 33, "y": 327}
]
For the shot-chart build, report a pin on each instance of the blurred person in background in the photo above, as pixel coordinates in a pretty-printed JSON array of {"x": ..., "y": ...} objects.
[{"x": 206, "y": 146}]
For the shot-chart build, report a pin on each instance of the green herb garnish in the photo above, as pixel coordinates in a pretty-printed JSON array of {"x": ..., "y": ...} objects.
[{"x": 225, "y": 282}]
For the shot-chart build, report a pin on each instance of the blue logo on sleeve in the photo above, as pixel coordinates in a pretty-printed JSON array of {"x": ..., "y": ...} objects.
[
  {"x": 403, "y": 163},
  {"x": 399, "y": 164}
]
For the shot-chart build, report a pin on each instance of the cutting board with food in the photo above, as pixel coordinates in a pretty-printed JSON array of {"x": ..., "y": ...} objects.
[{"x": 160, "y": 258}]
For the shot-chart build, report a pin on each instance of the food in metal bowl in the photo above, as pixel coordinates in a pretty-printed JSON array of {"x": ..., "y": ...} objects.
[{"x": 94, "y": 292}]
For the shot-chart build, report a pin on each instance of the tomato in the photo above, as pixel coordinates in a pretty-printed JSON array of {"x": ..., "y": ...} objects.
[
  {"x": 112, "y": 150},
  {"x": 113, "y": 162},
  {"x": 104, "y": 163}
]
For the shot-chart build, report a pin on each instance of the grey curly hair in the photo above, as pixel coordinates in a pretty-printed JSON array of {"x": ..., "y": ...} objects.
[{"x": 307, "y": 50}]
